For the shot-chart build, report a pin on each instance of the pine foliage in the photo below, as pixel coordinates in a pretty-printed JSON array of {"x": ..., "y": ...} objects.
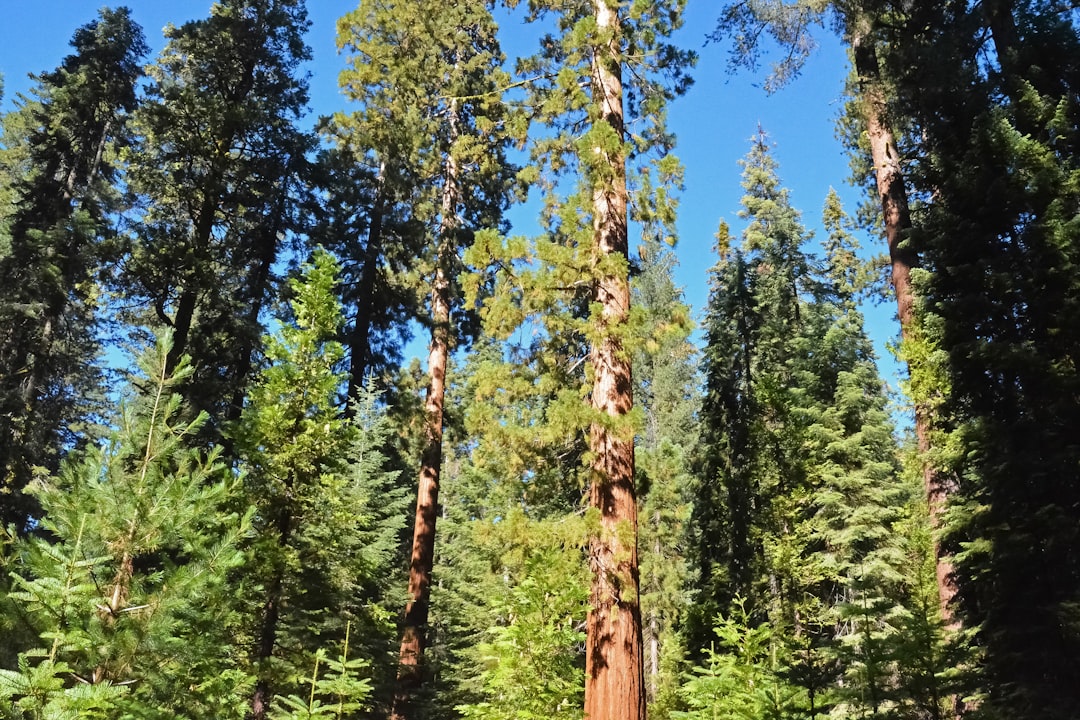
[{"x": 136, "y": 537}]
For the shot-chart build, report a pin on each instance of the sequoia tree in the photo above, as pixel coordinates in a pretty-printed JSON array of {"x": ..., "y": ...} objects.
[{"x": 603, "y": 131}]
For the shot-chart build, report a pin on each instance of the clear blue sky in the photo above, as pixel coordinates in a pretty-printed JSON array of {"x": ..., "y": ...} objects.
[{"x": 713, "y": 122}]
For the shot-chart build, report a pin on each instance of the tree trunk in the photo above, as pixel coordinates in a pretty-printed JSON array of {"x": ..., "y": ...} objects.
[
  {"x": 360, "y": 338},
  {"x": 897, "y": 220},
  {"x": 267, "y": 639},
  {"x": 654, "y": 649},
  {"x": 614, "y": 677},
  {"x": 414, "y": 634},
  {"x": 257, "y": 286},
  {"x": 184, "y": 317}
]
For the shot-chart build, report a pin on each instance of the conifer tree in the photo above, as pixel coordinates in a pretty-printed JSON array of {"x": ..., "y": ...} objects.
[
  {"x": 217, "y": 170},
  {"x": 326, "y": 510},
  {"x": 434, "y": 84},
  {"x": 138, "y": 539},
  {"x": 509, "y": 567},
  {"x": 754, "y": 326},
  {"x": 998, "y": 161},
  {"x": 604, "y": 132},
  {"x": 59, "y": 189},
  {"x": 873, "y": 126},
  {"x": 665, "y": 381},
  {"x": 803, "y": 465}
]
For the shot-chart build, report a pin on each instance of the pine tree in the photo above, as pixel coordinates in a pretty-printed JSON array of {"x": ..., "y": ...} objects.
[
  {"x": 217, "y": 170},
  {"x": 137, "y": 538},
  {"x": 59, "y": 190}
]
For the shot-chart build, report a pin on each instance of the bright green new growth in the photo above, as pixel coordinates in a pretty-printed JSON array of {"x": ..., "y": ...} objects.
[
  {"x": 527, "y": 663},
  {"x": 326, "y": 510},
  {"x": 748, "y": 676},
  {"x": 335, "y": 693},
  {"x": 130, "y": 593}
]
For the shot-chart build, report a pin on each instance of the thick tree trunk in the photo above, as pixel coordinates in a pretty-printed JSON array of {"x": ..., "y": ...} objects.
[
  {"x": 897, "y": 220},
  {"x": 414, "y": 634},
  {"x": 614, "y": 677}
]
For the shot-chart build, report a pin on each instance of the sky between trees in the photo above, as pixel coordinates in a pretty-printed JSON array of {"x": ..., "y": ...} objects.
[{"x": 713, "y": 122}]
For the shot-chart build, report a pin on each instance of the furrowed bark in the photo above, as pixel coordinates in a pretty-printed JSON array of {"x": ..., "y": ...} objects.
[{"x": 614, "y": 663}]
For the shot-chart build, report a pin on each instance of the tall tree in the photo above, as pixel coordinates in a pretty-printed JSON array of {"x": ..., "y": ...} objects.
[
  {"x": 217, "y": 171},
  {"x": 326, "y": 509},
  {"x": 598, "y": 128},
  {"x": 873, "y": 125},
  {"x": 433, "y": 75},
  {"x": 999, "y": 165},
  {"x": 60, "y": 151},
  {"x": 803, "y": 467}
]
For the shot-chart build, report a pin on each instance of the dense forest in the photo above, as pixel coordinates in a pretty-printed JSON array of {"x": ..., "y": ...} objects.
[{"x": 229, "y": 489}]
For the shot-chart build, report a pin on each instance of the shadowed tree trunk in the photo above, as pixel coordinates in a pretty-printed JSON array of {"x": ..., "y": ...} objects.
[
  {"x": 614, "y": 663},
  {"x": 264, "y": 693},
  {"x": 360, "y": 338},
  {"x": 897, "y": 220}
]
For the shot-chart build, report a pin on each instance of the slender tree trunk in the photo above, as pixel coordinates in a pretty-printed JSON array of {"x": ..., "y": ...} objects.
[
  {"x": 897, "y": 220},
  {"x": 414, "y": 634},
  {"x": 614, "y": 677},
  {"x": 184, "y": 317},
  {"x": 360, "y": 338},
  {"x": 654, "y": 618},
  {"x": 266, "y": 253},
  {"x": 267, "y": 638}
]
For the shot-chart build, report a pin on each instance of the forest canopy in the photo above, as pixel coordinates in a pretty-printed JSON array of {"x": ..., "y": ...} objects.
[{"x": 301, "y": 417}]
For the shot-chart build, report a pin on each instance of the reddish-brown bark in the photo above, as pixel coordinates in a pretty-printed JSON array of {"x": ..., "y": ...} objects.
[
  {"x": 614, "y": 663},
  {"x": 414, "y": 633},
  {"x": 897, "y": 220}
]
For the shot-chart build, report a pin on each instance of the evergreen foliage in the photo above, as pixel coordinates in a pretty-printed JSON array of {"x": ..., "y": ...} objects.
[
  {"x": 998, "y": 232},
  {"x": 126, "y": 587},
  {"x": 59, "y": 176},
  {"x": 217, "y": 171},
  {"x": 528, "y": 661},
  {"x": 229, "y": 541},
  {"x": 665, "y": 377},
  {"x": 327, "y": 512},
  {"x": 801, "y": 498}
]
